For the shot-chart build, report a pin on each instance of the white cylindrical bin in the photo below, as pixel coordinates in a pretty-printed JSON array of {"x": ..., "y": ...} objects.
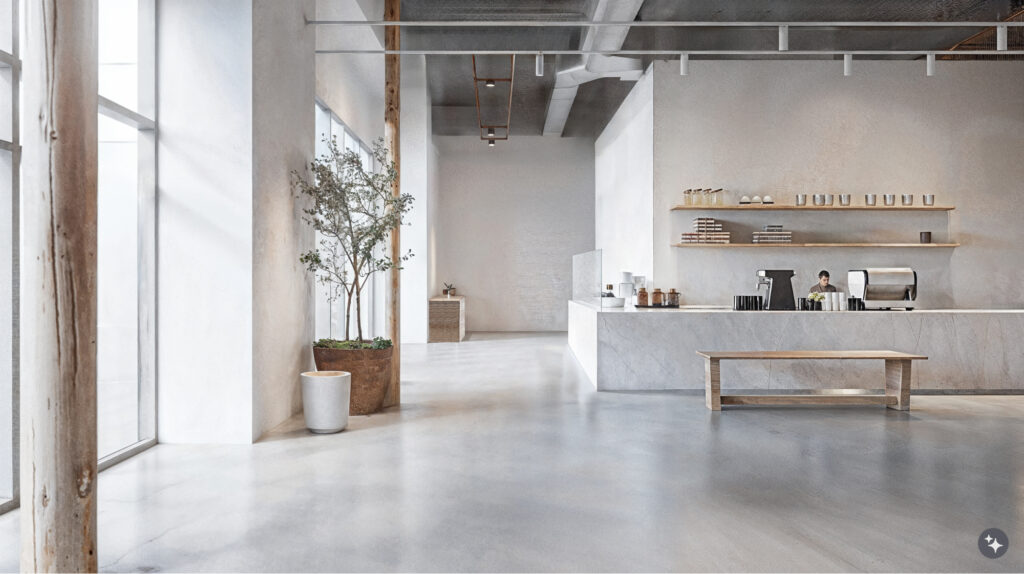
[
  {"x": 844, "y": 304},
  {"x": 325, "y": 400},
  {"x": 826, "y": 303}
]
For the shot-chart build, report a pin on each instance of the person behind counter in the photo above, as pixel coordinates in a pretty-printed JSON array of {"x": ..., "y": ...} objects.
[{"x": 822, "y": 285}]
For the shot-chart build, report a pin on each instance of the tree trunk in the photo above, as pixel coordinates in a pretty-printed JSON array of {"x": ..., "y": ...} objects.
[
  {"x": 58, "y": 288},
  {"x": 348, "y": 313},
  {"x": 359, "y": 308},
  {"x": 392, "y": 112}
]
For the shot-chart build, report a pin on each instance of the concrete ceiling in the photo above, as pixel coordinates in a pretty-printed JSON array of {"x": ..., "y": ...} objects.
[{"x": 450, "y": 77}]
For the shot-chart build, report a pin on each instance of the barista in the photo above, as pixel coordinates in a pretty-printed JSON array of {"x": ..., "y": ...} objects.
[{"x": 822, "y": 285}]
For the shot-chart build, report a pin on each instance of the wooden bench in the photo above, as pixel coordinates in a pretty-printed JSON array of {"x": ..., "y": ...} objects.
[{"x": 897, "y": 379}]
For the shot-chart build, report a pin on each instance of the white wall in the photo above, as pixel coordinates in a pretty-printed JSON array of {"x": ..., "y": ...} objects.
[
  {"x": 235, "y": 310},
  {"x": 509, "y": 220},
  {"x": 205, "y": 221},
  {"x": 802, "y": 127},
  {"x": 352, "y": 85},
  {"x": 417, "y": 149},
  {"x": 624, "y": 183},
  {"x": 282, "y": 94}
]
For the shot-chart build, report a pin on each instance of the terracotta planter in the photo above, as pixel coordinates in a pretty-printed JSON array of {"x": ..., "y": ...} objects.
[{"x": 371, "y": 374}]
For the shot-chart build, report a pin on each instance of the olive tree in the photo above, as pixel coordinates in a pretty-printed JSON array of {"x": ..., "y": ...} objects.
[{"x": 353, "y": 212}]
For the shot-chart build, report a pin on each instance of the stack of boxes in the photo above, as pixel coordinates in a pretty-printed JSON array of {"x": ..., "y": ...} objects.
[
  {"x": 773, "y": 234},
  {"x": 707, "y": 230}
]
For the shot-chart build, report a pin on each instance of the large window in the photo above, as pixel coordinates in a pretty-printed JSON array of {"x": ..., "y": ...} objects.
[
  {"x": 10, "y": 154},
  {"x": 330, "y": 319},
  {"x": 126, "y": 229}
]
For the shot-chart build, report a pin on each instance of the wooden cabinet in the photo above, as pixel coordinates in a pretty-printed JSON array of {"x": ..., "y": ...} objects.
[{"x": 447, "y": 319}]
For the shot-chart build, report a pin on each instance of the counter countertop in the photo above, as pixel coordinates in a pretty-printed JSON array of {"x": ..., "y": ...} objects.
[{"x": 726, "y": 309}]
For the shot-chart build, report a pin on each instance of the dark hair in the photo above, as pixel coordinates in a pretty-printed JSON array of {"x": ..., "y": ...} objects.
[{"x": 822, "y": 274}]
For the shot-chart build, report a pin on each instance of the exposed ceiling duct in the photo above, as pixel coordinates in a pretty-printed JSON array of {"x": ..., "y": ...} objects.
[{"x": 576, "y": 70}]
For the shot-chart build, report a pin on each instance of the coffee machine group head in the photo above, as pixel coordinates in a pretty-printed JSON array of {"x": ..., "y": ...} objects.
[{"x": 780, "y": 289}]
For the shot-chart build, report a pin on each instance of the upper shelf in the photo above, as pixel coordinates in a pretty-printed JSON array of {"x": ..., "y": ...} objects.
[{"x": 778, "y": 207}]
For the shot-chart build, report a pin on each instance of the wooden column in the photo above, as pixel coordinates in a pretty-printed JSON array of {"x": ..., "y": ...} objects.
[
  {"x": 392, "y": 133},
  {"x": 58, "y": 288}
]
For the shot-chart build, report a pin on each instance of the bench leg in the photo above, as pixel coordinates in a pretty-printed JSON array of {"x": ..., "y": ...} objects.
[
  {"x": 897, "y": 383},
  {"x": 712, "y": 384}
]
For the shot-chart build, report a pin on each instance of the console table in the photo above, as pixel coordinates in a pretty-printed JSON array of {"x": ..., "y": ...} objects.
[{"x": 447, "y": 319}]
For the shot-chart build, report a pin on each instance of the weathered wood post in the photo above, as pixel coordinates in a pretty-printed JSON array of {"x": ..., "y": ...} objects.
[
  {"x": 58, "y": 288},
  {"x": 392, "y": 111}
]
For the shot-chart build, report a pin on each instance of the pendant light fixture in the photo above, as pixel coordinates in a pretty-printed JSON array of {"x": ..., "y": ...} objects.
[
  {"x": 684, "y": 64},
  {"x": 490, "y": 132},
  {"x": 490, "y": 143},
  {"x": 489, "y": 83},
  {"x": 847, "y": 64},
  {"x": 930, "y": 65}
]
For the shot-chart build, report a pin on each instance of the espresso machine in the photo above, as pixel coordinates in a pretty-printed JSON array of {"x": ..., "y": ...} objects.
[
  {"x": 884, "y": 287},
  {"x": 780, "y": 289}
]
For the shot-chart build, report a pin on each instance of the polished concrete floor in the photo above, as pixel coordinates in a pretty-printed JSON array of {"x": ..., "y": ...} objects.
[{"x": 503, "y": 458}]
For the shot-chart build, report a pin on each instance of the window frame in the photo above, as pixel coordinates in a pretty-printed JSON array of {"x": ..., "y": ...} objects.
[{"x": 12, "y": 60}]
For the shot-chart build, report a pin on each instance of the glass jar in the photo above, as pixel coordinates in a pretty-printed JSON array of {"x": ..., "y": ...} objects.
[
  {"x": 657, "y": 298},
  {"x": 641, "y": 297},
  {"x": 672, "y": 299}
]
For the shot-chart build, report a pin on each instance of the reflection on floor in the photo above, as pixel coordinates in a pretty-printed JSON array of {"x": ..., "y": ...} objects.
[{"x": 502, "y": 457}]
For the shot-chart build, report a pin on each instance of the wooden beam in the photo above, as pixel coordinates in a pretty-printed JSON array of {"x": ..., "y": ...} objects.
[
  {"x": 58, "y": 288},
  {"x": 392, "y": 133}
]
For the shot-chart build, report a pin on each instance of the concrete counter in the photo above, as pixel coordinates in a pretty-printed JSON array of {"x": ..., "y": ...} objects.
[{"x": 649, "y": 349}]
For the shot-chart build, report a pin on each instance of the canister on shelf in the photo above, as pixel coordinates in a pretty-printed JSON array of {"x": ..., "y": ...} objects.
[
  {"x": 672, "y": 298},
  {"x": 657, "y": 298},
  {"x": 641, "y": 297}
]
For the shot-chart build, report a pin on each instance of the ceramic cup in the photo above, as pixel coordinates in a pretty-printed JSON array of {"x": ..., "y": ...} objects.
[
  {"x": 928, "y": 199},
  {"x": 829, "y": 199},
  {"x": 870, "y": 199},
  {"x": 889, "y": 199},
  {"x": 819, "y": 199},
  {"x": 801, "y": 199},
  {"x": 908, "y": 199},
  {"x": 844, "y": 199},
  {"x": 926, "y": 237}
]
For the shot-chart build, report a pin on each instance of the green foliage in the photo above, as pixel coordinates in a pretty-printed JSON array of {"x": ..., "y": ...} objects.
[
  {"x": 353, "y": 211},
  {"x": 376, "y": 343},
  {"x": 449, "y": 285}
]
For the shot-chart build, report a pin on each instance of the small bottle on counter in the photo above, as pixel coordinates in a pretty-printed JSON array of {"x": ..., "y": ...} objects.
[
  {"x": 672, "y": 299},
  {"x": 657, "y": 298},
  {"x": 608, "y": 291},
  {"x": 641, "y": 297}
]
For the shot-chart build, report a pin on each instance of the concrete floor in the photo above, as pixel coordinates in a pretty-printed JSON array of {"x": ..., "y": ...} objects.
[{"x": 503, "y": 458}]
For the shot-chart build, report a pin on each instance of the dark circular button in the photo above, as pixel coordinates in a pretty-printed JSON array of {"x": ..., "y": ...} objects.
[{"x": 993, "y": 543}]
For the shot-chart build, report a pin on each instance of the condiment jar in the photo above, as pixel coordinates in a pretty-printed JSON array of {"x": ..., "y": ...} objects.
[
  {"x": 641, "y": 297},
  {"x": 672, "y": 298},
  {"x": 657, "y": 298}
]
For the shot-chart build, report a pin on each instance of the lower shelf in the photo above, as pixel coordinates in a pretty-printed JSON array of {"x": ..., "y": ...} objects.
[{"x": 791, "y": 245}]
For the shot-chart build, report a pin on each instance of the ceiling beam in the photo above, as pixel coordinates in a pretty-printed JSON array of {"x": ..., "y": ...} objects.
[{"x": 653, "y": 24}]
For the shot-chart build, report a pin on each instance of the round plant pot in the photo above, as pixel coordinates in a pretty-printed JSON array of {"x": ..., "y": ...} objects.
[
  {"x": 371, "y": 374},
  {"x": 325, "y": 397}
]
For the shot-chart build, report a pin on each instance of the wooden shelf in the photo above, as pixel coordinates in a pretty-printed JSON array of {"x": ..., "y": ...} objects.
[
  {"x": 776, "y": 207},
  {"x": 823, "y": 245}
]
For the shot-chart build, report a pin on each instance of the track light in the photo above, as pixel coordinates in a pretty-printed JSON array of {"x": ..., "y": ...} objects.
[
  {"x": 930, "y": 66},
  {"x": 1001, "y": 38},
  {"x": 783, "y": 38},
  {"x": 490, "y": 143},
  {"x": 540, "y": 64},
  {"x": 684, "y": 64},
  {"x": 490, "y": 132},
  {"x": 847, "y": 64},
  {"x": 489, "y": 83}
]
